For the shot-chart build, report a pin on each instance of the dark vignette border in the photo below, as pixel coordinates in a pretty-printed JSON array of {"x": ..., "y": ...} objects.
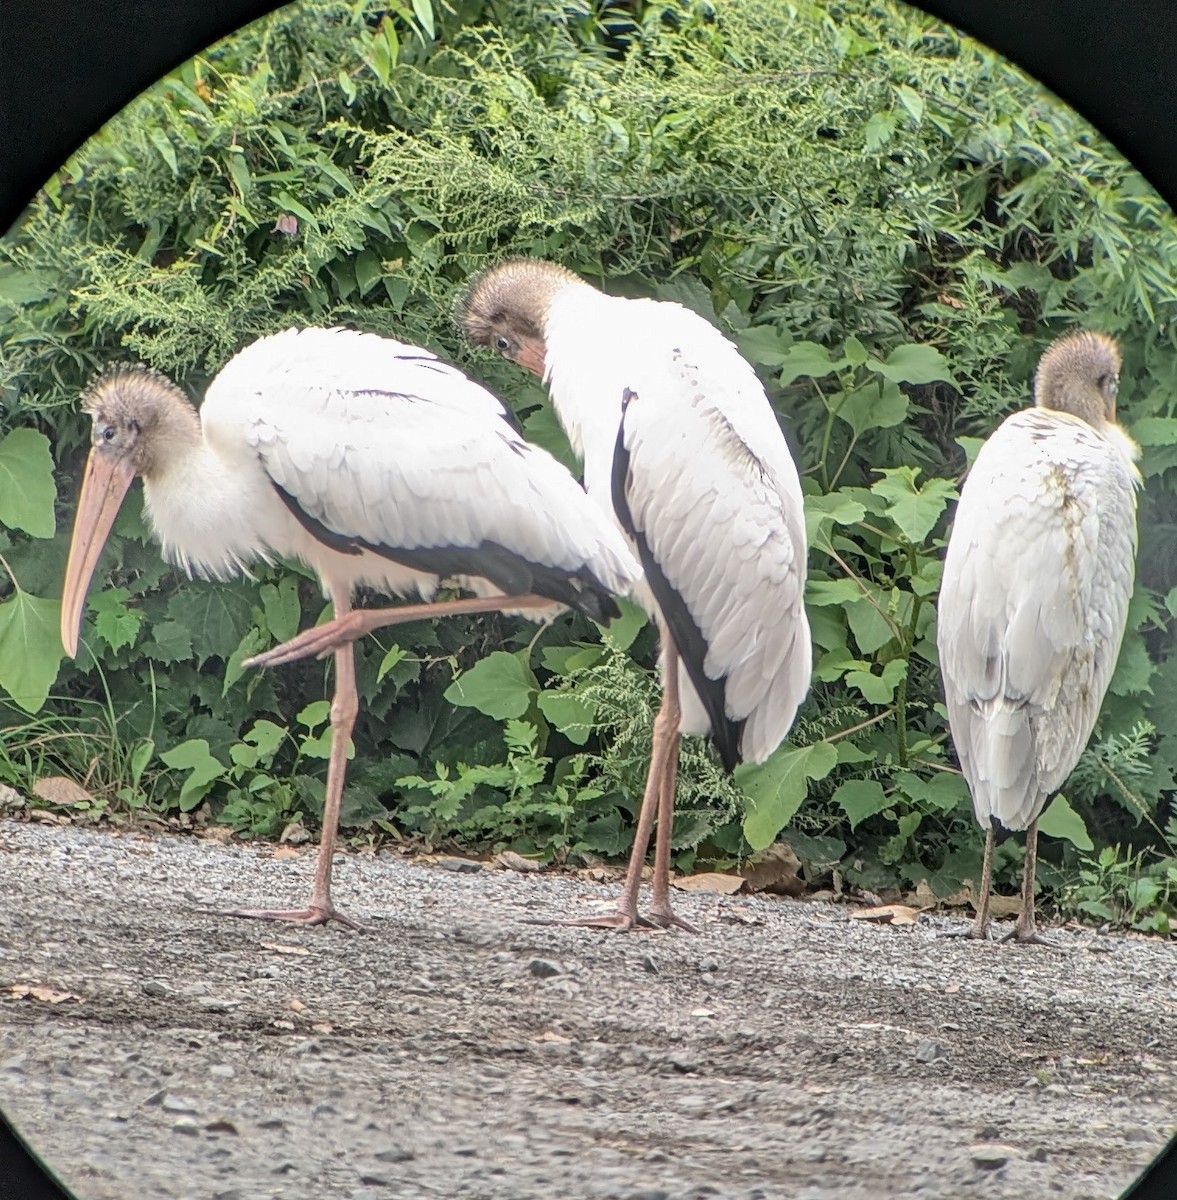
[{"x": 67, "y": 67}]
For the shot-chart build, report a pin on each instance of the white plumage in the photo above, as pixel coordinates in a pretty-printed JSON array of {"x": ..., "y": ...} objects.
[
  {"x": 383, "y": 444},
  {"x": 711, "y": 486},
  {"x": 1034, "y": 598},
  {"x": 372, "y": 462},
  {"x": 681, "y": 447}
]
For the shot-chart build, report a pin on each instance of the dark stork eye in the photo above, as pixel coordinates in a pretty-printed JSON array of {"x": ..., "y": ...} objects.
[
  {"x": 109, "y": 433},
  {"x": 502, "y": 343}
]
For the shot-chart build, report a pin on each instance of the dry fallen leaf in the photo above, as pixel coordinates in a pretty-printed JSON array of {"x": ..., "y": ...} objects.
[
  {"x": 219, "y": 833},
  {"x": 776, "y": 870},
  {"x": 281, "y": 1023},
  {"x": 286, "y": 852},
  {"x": 297, "y": 1005},
  {"x": 295, "y": 834},
  {"x": 952, "y": 988},
  {"x": 323, "y": 1027},
  {"x": 39, "y": 991},
  {"x": 1004, "y": 906},
  {"x": 284, "y": 949},
  {"x": 58, "y": 789},
  {"x": 887, "y": 914},
  {"x": 550, "y": 1035},
  {"x": 516, "y": 862},
  {"x": 712, "y": 881}
]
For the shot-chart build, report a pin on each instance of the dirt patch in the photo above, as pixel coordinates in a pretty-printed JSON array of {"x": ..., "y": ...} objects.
[{"x": 455, "y": 1050}]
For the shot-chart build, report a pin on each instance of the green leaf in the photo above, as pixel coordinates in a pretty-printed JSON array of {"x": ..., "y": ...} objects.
[
  {"x": 776, "y": 788},
  {"x": 824, "y": 511},
  {"x": 971, "y": 447},
  {"x": 1156, "y": 431},
  {"x": 394, "y": 655},
  {"x": 542, "y": 428},
  {"x": 871, "y": 629},
  {"x": 203, "y": 770},
  {"x": 499, "y": 686},
  {"x": 872, "y": 407},
  {"x": 1134, "y": 668},
  {"x": 423, "y": 11},
  {"x": 880, "y": 129},
  {"x": 569, "y": 714},
  {"x": 282, "y": 607},
  {"x": 807, "y": 358},
  {"x": 912, "y": 101},
  {"x": 762, "y": 345},
  {"x": 913, "y": 363},
  {"x": 861, "y": 798},
  {"x": 252, "y": 643},
  {"x": 914, "y": 510},
  {"x": 30, "y": 648},
  {"x": 216, "y": 616},
  {"x": 27, "y": 490},
  {"x": 368, "y": 270},
  {"x": 943, "y": 790},
  {"x": 115, "y": 623},
  {"x": 1060, "y": 820},
  {"x": 170, "y": 642},
  {"x": 879, "y": 689},
  {"x": 167, "y": 152},
  {"x": 621, "y": 632}
]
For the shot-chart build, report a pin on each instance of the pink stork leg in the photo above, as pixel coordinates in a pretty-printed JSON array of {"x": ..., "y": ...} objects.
[
  {"x": 659, "y": 794},
  {"x": 344, "y": 706},
  {"x": 349, "y": 625},
  {"x": 1026, "y": 928}
]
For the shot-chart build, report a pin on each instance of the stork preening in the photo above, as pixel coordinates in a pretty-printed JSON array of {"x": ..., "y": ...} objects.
[
  {"x": 1037, "y": 578},
  {"x": 682, "y": 449},
  {"x": 371, "y": 461}
]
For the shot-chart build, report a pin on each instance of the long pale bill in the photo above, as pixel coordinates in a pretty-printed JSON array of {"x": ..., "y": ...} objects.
[{"x": 105, "y": 484}]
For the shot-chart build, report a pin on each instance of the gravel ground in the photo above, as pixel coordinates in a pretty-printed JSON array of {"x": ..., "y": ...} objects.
[{"x": 457, "y": 1051}]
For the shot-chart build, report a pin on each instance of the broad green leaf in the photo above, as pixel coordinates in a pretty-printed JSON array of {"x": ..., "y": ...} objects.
[
  {"x": 217, "y": 617},
  {"x": 808, "y": 358},
  {"x": 621, "y": 632},
  {"x": 871, "y": 629},
  {"x": 914, "y": 510},
  {"x": 943, "y": 790},
  {"x": 879, "y": 689},
  {"x": 203, "y": 770},
  {"x": 880, "y": 129},
  {"x": 566, "y": 660},
  {"x": 368, "y": 270},
  {"x": 27, "y": 490},
  {"x": 762, "y": 345},
  {"x": 849, "y": 753},
  {"x": 30, "y": 648},
  {"x": 542, "y": 428},
  {"x": 423, "y": 11},
  {"x": 115, "y": 623},
  {"x": 19, "y": 286},
  {"x": 314, "y": 714},
  {"x": 281, "y": 605},
  {"x": 254, "y": 642},
  {"x": 499, "y": 686},
  {"x": 170, "y": 642},
  {"x": 861, "y": 798},
  {"x": 776, "y": 788},
  {"x": 394, "y": 655},
  {"x": 569, "y": 714},
  {"x": 167, "y": 151},
  {"x": 854, "y": 351},
  {"x": 1134, "y": 668},
  {"x": 872, "y": 407},
  {"x": 1156, "y": 431},
  {"x": 824, "y": 511},
  {"x": 820, "y": 592},
  {"x": 912, "y": 363},
  {"x": 1060, "y": 820},
  {"x": 971, "y": 447}
]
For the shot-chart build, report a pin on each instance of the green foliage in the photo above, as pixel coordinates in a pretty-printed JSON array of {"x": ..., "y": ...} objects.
[{"x": 891, "y": 224}]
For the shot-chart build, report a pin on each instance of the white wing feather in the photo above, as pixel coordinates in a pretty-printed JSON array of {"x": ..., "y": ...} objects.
[
  {"x": 1037, "y": 577},
  {"x": 712, "y": 486},
  {"x": 383, "y": 442}
]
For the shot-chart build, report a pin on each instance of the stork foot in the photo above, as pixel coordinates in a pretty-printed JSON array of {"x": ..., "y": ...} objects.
[
  {"x": 1029, "y": 937},
  {"x": 319, "y": 641},
  {"x": 970, "y": 932},
  {"x": 313, "y": 914},
  {"x": 666, "y": 918}
]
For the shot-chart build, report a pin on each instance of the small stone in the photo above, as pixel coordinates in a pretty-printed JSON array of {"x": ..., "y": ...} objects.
[
  {"x": 648, "y": 1194},
  {"x": 648, "y": 964},
  {"x": 989, "y": 1134},
  {"x": 371, "y": 1179},
  {"x": 466, "y": 1151},
  {"x": 153, "y": 987},
  {"x": 1055, "y": 1089},
  {"x": 684, "y": 1063},
  {"x": 310, "y": 1046},
  {"x": 177, "y": 1104},
  {"x": 221, "y": 1071},
  {"x": 709, "y": 964},
  {"x": 395, "y": 1154},
  {"x": 464, "y": 866},
  {"x": 216, "y": 1005},
  {"x": 544, "y": 968},
  {"x": 991, "y": 1156},
  {"x": 186, "y": 1125},
  {"x": 928, "y": 1051},
  {"x": 1038, "y": 1154}
]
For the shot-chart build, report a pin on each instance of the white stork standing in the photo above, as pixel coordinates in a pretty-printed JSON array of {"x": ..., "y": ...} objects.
[
  {"x": 371, "y": 461},
  {"x": 1034, "y": 599},
  {"x": 681, "y": 447}
]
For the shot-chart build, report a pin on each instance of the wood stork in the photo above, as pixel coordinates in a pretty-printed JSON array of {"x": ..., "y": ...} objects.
[
  {"x": 371, "y": 461},
  {"x": 1034, "y": 599},
  {"x": 681, "y": 447}
]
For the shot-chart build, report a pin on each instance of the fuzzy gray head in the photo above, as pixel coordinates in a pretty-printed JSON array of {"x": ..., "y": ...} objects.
[
  {"x": 1079, "y": 374},
  {"x": 140, "y": 414},
  {"x": 506, "y": 306}
]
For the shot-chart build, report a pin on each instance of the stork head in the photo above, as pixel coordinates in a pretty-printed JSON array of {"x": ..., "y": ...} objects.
[
  {"x": 1079, "y": 374},
  {"x": 141, "y": 421},
  {"x": 506, "y": 308}
]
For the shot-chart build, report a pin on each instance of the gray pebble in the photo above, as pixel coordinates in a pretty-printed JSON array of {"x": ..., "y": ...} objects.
[
  {"x": 464, "y": 866},
  {"x": 544, "y": 968},
  {"x": 186, "y": 1125},
  {"x": 929, "y": 1051},
  {"x": 395, "y": 1154}
]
